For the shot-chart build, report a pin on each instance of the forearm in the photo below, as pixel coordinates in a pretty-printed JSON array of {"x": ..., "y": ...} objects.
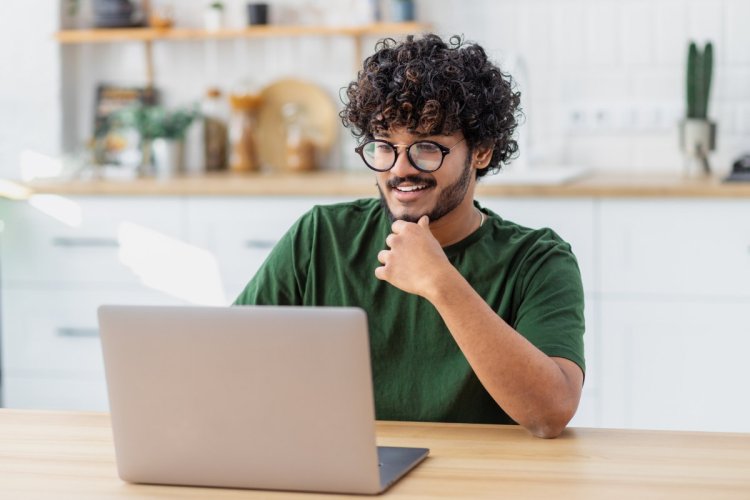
[{"x": 529, "y": 385}]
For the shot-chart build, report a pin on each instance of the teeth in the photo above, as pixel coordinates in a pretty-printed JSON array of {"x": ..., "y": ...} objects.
[{"x": 410, "y": 188}]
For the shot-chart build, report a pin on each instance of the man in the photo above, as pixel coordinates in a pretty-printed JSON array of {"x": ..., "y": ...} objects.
[{"x": 472, "y": 318}]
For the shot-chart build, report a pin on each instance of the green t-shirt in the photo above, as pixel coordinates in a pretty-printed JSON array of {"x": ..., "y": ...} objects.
[{"x": 530, "y": 277}]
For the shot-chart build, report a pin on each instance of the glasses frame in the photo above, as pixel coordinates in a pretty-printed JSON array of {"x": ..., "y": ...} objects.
[{"x": 445, "y": 150}]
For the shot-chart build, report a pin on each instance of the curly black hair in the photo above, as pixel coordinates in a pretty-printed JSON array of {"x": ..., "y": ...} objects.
[{"x": 430, "y": 87}]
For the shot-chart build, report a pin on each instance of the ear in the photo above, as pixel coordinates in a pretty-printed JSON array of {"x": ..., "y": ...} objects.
[{"x": 481, "y": 157}]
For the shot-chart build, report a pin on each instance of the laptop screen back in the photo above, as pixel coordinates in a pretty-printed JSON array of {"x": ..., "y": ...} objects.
[{"x": 249, "y": 397}]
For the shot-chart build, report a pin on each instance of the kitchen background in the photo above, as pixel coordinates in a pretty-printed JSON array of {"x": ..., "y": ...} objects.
[
  {"x": 665, "y": 260},
  {"x": 603, "y": 80}
]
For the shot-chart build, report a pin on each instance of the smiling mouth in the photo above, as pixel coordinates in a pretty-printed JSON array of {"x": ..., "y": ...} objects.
[
  {"x": 411, "y": 188},
  {"x": 410, "y": 184}
]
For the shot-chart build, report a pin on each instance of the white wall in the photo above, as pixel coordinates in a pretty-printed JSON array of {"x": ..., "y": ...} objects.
[
  {"x": 605, "y": 77},
  {"x": 30, "y": 104},
  {"x": 618, "y": 67}
]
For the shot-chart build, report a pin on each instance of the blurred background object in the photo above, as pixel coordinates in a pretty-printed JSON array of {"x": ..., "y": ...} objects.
[
  {"x": 257, "y": 13},
  {"x": 698, "y": 133},
  {"x": 117, "y": 14}
]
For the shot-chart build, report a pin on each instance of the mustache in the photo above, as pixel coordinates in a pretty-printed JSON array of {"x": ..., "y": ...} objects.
[{"x": 413, "y": 179}]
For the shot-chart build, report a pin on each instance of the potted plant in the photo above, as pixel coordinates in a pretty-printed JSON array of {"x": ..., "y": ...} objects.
[
  {"x": 162, "y": 133},
  {"x": 697, "y": 132}
]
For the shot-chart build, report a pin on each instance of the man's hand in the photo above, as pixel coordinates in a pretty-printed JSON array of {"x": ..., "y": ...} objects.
[{"x": 415, "y": 262}]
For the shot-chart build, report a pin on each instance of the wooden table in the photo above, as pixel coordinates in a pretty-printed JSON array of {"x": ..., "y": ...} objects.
[{"x": 55, "y": 455}]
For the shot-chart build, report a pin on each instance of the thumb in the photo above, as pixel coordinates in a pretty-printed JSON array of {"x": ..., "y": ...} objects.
[{"x": 424, "y": 222}]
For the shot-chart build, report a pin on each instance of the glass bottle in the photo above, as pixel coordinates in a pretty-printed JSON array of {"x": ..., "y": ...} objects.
[
  {"x": 215, "y": 131},
  {"x": 243, "y": 154},
  {"x": 299, "y": 152}
]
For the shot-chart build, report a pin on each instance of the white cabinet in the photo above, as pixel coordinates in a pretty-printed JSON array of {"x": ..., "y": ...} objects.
[
  {"x": 678, "y": 365},
  {"x": 61, "y": 259},
  {"x": 240, "y": 232},
  {"x": 674, "y": 298},
  {"x": 683, "y": 247},
  {"x": 53, "y": 239},
  {"x": 666, "y": 282},
  {"x": 51, "y": 350}
]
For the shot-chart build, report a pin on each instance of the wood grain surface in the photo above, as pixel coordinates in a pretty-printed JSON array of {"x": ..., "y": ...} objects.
[{"x": 66, "y": 455}]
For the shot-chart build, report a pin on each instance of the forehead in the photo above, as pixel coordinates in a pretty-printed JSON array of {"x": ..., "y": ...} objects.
[{"x": 403, "y": 135}]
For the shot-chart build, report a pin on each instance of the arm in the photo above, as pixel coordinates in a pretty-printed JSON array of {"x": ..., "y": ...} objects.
[{"x": 537, "y": 391}]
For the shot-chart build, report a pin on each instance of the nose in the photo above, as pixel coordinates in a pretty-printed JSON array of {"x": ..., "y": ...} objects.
[{"x": 403, "y": 167}]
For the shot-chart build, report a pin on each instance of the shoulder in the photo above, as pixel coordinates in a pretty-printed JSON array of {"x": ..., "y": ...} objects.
[
  {"x": 364, "y": 206},
  {"x": 525, "y": 239},
  {"x": 344, "y": 213},
  {"x": 341, "y": 219},
  {"x": 535, "y": 253}
]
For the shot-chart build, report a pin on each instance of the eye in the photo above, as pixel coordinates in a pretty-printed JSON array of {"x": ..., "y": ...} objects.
[{"x": 427, "y": 148}]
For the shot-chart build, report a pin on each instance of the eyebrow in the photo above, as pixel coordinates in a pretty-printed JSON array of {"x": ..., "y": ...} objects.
[{"x": 421, "y": 137}]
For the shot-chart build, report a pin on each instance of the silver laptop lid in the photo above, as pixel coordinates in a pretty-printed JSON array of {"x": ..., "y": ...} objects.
[{"x": 248, "y": 397}]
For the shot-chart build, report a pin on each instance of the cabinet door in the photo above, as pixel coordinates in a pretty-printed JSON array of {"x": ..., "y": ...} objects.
[
  {"x": 44, "y": 393},
  {"x": 92, "y": 240},
  {"x": 589, "y": 409},
  {"x": 678, "y": 365},
  {"x": 676, "y": 247},
  {"x": 50, "y": 338},
  {"x": 240, "y": 232}
]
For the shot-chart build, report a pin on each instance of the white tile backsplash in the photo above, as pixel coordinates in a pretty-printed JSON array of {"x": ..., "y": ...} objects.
[
  {"x": 737, "y": 37},
  {"x": 569, "y": 34},
  {"x": 638, "y": 30},
  {"x": 706, "y": 22},
  {"x": 670, "y": 31},
  {"x": 602, "y": 33},
  {"x": 734, "y": 84},
  {"x": 618, "y": 65},
  {"x": 743, "y": 120}
]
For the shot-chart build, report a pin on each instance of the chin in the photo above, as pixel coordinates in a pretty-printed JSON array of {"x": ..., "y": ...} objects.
[
  {"x": 410, "y": 218},
  {"x": 401, "y": 213}
]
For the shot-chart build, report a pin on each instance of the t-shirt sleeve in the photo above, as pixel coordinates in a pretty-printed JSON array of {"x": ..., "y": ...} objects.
[
  {"x": 551, "y": 308},
  {"x": 281, "y": 278}
]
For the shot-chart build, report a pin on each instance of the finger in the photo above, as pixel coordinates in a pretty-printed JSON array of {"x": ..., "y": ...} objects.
[
  {"x": 424, "y": 222},
  {"x": 383, "y": 256},
  {"x": 390, "y": 240},
  {"x": 380, "y": 273},
  {"x": 399, "y": 226}
]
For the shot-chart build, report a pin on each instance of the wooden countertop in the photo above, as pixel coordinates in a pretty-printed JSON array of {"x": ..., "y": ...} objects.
[
  {"x": 65, "y": 455},
  {"x": 330, "y": 183}
]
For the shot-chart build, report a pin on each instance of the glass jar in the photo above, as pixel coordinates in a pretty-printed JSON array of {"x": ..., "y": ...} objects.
[
  {"x": 215, "y": 131},
  {"x": 243, "y": 149},
  {"x": 299, "y": 151}
]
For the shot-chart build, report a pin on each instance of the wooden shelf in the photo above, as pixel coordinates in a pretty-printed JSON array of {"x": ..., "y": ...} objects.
[{"x": 178, "y": 34}]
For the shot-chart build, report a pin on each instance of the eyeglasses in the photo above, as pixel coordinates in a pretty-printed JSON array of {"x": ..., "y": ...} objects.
[{"x": 425, "y": 156}]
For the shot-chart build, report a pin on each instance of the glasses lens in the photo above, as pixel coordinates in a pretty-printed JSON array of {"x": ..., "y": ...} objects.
[
  {"x": 379, "y": 155},
  {"x": 426, "y": 155}
]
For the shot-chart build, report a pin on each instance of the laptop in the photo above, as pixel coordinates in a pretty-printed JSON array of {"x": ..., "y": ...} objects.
[{"x": 261, "y": 397}]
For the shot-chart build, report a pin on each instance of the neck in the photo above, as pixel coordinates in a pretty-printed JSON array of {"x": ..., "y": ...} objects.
[{"x": 458, "y": 224}]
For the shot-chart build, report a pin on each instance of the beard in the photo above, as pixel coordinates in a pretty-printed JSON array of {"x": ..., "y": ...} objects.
[{"x": 448, "y": 200}]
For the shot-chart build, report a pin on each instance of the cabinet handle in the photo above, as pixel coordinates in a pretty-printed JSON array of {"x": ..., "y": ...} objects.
[
  {"x": 260, "y": 244},
  {"x": 78, "y": 332},
  {"x": 62, "y": 241}
]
